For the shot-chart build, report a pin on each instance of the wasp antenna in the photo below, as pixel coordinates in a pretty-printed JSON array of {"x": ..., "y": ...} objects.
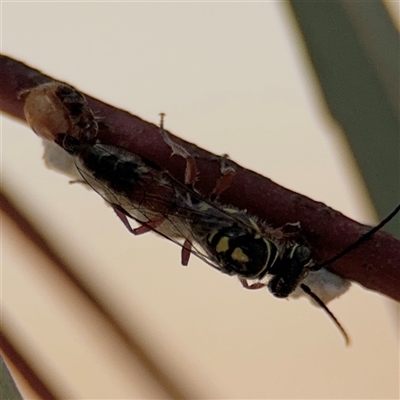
[
  {"x": 310, "y": 293},
  {"x": 361, "y": 238}
]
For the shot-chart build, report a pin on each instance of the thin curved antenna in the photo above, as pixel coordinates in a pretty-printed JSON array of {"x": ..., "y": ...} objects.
[
  {"x": 361, "y": 238},
  {"x": 310, "y": 293}
]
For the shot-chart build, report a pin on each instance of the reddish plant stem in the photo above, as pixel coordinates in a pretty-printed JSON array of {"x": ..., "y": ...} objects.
[{"x": 375, "y": 263}]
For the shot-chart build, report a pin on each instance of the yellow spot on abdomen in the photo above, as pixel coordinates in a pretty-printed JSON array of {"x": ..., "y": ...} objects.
[
  {"x": 223, "y": 245},
  {"x": 239, "y": 255}
]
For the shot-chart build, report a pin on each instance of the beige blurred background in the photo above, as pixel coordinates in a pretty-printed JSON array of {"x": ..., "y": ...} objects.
[{"x": 232, "y": 78}]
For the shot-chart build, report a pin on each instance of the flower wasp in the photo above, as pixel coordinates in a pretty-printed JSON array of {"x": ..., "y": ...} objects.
[{"x": 228, "y": 239}]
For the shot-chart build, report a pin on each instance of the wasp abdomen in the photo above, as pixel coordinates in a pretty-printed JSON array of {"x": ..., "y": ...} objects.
[
  {"x": 242, "y": 253},
  {"x": 121, "y": 176}
]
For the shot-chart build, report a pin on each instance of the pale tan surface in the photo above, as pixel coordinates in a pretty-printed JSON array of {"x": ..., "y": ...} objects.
[{"x": 231, "y": 78}]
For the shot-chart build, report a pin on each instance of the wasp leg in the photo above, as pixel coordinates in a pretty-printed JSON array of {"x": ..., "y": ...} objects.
[
  {"x": 291, "y": 229},
  {"x": 149, "y": 226},
  {"x": 228, "y": 172},
  {"x": 80, "y": 181},
  {"x": 122, "y": 216},
  {"x": 186, "y": 251},
  {"x": 146, "y": 227},
  {"x": 177, "y": 149},
  {"x": 191, "y": 172},
  {"x": 253, "y": 286}
]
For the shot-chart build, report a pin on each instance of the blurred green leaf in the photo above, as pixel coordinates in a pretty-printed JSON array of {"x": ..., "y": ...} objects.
[
  {"x": 354, "y": 49},
  {"x": 8, "y": 389}
]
